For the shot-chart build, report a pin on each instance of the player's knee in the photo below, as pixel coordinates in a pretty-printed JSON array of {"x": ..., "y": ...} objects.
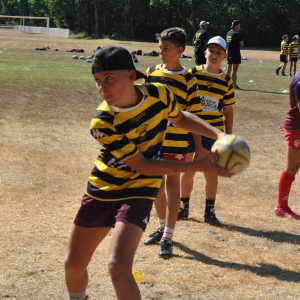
[
  {"x": 74, "y": 265},
  {"x": 116, "y": 269},
  {"x": 172, "y": 188}
]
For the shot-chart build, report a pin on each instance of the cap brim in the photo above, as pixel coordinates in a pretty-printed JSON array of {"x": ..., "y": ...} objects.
[{"x": 139, "y": 75}]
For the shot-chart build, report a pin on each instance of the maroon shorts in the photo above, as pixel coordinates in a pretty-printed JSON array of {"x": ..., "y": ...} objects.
[
  {"x": 292, "y": 139},
  {"x": 95, "y": 213}
]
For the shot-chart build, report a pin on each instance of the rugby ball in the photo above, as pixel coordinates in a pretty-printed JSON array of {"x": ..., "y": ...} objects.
[{"x": 233, "y": 153}]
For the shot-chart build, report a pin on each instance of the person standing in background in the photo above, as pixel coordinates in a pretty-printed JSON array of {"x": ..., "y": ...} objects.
[
  {"x": 234, "y": 42},
  {"x": 200, "y": 40},
  {"x": 283, "y": 55}
]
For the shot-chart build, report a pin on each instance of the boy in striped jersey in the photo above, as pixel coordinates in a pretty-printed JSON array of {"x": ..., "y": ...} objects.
[
  {"x": 130, "y": 125},
  {"x": 217, "y": 99},
  {"x": 172, "y": 43},
  {"x": 294, "y": 49},
  {"x": 283, "y": 55}
]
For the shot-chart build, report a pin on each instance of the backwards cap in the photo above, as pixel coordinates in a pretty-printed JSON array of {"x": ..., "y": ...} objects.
[
  {"x": 113, "y": 58},
  {"x": 234, "y": 23}
]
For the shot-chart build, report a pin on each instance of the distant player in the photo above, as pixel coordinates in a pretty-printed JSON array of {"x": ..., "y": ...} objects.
[
  {"x": 283, "y": 55},
  {"x": 172, "y": 43},
  {"x": 200, "y": 40},
  {"x": 294, "y": 48},
  {"x": 130, "y": 124},
  {"x": 217, "y": 99},
  {"x": 291, "y": 130},
  {"x": 234, "y": 42}
]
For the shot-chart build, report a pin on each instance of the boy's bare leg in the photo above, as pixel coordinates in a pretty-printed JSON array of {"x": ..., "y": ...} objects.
[
  {"x": 234, "y": 73},
  {"x": 173, "y": 204},
  {"x": 82, "y": 244},
  {"x": 124, "y": 243},
  {"x": 161, "y": 201},
  {"x": 187, "y": 179}
]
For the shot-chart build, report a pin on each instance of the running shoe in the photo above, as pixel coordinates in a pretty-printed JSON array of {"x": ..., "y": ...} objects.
[
  {"x": 236, "y": 87},
  {"x": 282, "y": 74},
  {"x": 286, "y": 212},
  {"x": 166, "y": 249},
  {"x": 211, "y": 218},
  {"x": 154, "y": 238},
  {"x": 183, "y": 212}
]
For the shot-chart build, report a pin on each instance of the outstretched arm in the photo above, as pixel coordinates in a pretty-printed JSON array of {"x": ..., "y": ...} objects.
[
  {"x": 194, "y": 124},
  {"x": 158, "y": 167}
]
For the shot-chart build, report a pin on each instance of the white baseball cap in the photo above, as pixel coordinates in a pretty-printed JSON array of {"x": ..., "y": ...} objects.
[
  {"x": 217, "y": 40},
  {"x": 202, "y": 23}
]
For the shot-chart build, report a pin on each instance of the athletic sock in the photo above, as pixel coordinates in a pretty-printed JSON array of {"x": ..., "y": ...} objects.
[
  {"x": 285, "y": 184},
  {"x": 209, "y": 204},
  {"x": 168, "y": 234},
  {"x": 162, "y": 224},
  {"x": 77, "y": 296},
  {"x": 185, "y": 201}
]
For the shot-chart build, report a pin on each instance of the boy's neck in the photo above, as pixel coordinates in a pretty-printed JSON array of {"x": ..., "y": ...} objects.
[
  {"x": 212, "y": 69},
  {"x": 133, "y": 98},
  {"x": 173, "y": 67}
]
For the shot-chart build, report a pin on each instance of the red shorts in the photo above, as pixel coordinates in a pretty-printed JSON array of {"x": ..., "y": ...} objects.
[
  {"x": 292, "y": 139},
  {"x": 174, "y": 157},
  {"x": 95, "y": 213}
]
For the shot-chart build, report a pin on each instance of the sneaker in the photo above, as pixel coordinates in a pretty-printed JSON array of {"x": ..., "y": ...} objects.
[
  {"x": 154, "y": 238},
  {"x": 236, "y": 87},
  {"x": 211, "y": 218},
  {"x": 285, "y": 212},
  {"x": 183, "y": 212},
  {"x": 282, "y": 74},
  {"x": 290, "y": 75},
  {"x": 277, "y": 71},
  {"x": 166, "y": 249}
]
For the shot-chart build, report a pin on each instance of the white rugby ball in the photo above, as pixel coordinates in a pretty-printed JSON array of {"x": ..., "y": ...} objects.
[{"x": 233, "y": 153}]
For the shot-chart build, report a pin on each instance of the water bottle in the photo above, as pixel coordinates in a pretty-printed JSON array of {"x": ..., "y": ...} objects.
[{"x": 260, "y": 63}]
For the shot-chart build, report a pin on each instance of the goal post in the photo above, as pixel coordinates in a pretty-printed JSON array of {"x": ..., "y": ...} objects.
[{"x": 22, "y": 23}]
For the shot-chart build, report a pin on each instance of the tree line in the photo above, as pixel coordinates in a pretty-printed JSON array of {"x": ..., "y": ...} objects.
[{"x": 262, "y": 22}]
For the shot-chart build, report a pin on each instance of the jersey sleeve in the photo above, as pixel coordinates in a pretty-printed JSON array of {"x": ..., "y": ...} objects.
[
  {"x": 173, "y": 106},
  {"x": 229, "y": 99},
  {"x": 110, "y": 137}
]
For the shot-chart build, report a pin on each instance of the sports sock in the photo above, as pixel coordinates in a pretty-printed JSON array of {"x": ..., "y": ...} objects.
[
  {"x": 285, "y": 184},
  {"x": 77, "y": 296},
  {"x": 186, "y": 201},
  {"x": 162, "y": 224},
  {"x": 168, "y": 234},
  {"x": 209, "y": 204}
]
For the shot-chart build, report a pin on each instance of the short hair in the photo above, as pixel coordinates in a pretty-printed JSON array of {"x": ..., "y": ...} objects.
[
  {"x": 175, "y": 35},
  {"x": 284, "y": 36}
]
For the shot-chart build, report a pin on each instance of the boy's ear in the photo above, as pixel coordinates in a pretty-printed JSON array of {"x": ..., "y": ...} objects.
[
  {"x": 180, "y": 50},
  {"x": 225, "y": 56},
  {"x": 132, "y": 75}
]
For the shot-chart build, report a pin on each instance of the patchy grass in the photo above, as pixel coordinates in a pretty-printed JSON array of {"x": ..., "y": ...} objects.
[{"x": 47, "y": 101}]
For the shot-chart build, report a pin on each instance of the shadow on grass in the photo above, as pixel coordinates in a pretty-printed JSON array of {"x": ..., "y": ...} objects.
[
  {"x": 260, "y": 91},
  {"x": 276, "y": 236},
  {"x": 264, "y": 270}
]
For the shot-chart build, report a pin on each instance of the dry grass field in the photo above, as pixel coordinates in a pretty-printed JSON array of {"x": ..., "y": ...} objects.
[{"x": 46, "y": 153}]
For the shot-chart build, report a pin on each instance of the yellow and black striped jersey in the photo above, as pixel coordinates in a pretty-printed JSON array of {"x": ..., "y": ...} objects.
[
  {"x": 122, "y": 132},
  {"x": 216, "y": 92},
  {"x": 294, "y": 49},
  {"x": 184, "y": 87},
  {"x": 284, "y": 46}
]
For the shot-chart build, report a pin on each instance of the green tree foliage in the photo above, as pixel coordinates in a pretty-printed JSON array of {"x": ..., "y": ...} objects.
[{"x": 262, "y": 22}]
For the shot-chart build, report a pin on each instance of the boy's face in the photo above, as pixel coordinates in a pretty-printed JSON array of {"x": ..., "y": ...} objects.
[
  {"x": 169, "y": 52},
  {"x": 286, "y": 39},
  {"x": 113, "y": 86},
  {"x": 215, "y": 54}
]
